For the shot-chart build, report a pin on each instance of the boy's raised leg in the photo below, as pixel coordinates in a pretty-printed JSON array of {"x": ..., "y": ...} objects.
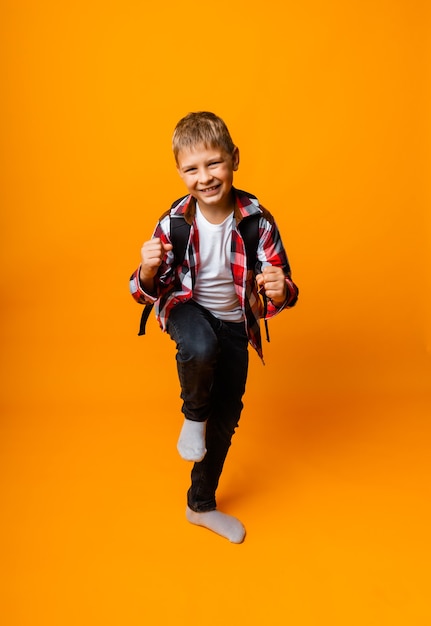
[{"x": 191, "y": 444}]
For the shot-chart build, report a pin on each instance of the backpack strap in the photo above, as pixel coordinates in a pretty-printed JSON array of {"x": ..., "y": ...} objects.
[
  {"x": 144, "y": 317},
  {"x": 249, "y": 229},
  {"x": 180, "y": 231}
]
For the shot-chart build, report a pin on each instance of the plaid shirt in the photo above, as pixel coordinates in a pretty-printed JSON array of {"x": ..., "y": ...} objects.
[{"x": 174, "y": 284}]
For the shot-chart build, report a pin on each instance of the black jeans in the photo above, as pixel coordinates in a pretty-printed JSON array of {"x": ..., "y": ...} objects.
[{"x": 212, "y": 362}]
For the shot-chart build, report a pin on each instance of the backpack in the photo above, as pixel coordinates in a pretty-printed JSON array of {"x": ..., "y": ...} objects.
[{"x": 179, "y": 233}]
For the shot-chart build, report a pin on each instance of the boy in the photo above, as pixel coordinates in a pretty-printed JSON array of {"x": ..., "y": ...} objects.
[{"x": 208, "y": 302}]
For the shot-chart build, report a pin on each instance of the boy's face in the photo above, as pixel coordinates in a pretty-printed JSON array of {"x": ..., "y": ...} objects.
[{"x": 208, "y": 175}]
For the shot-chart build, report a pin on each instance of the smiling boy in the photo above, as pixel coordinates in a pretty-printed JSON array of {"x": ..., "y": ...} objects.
[{"x": 208, "y": 302}]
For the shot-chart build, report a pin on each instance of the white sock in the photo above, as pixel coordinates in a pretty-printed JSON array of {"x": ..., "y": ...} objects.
[
  {"x": 191, "y": 444},
  {"x": 225, "y": 525}
]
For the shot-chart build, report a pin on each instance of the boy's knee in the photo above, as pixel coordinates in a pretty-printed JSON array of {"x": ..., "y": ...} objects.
[{"x": 199, "y": 351}]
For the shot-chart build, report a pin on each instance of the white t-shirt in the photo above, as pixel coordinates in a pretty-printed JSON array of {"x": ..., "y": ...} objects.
[{"x": 214, "y": 288}]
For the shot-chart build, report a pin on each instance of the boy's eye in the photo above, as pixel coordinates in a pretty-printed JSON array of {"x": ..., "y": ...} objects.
[
  {"x": 190, "y": 169},
  {"x": 215, "y": 163}
]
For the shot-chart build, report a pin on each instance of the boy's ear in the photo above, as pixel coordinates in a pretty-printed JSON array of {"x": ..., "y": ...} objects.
[{"x": 235, "y": 158}]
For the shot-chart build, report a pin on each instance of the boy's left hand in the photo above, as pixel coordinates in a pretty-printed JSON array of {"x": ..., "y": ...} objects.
[{"x": 272, "y": 279}]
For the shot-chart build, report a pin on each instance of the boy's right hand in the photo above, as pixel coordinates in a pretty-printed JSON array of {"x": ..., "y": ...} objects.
[{"x": 152, "y": 253}]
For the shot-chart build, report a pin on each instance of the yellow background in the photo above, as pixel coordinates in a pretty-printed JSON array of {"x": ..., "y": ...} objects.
[{"x": 330, "y": 468}]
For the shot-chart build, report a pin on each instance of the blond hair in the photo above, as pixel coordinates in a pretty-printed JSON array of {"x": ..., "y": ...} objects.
[{"x": 201, "y": 127}]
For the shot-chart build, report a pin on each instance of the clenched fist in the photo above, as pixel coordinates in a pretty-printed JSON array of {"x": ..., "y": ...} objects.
[
  {"x": 272, "y": 279},
  {"x": 152, "y": 253}
]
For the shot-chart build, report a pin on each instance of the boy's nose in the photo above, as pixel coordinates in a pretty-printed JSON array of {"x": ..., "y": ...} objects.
[{"x": 204, "y": 176}]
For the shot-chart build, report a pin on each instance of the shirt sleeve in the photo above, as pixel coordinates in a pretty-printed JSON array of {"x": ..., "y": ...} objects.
[{"x": 141, "y": 296}]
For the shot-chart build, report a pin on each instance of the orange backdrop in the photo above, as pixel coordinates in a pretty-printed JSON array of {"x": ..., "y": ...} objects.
[{"x": 328, "y": 104}]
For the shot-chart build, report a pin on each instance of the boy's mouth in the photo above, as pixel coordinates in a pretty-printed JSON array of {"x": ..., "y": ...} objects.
[{"x": 209, "y": 189}]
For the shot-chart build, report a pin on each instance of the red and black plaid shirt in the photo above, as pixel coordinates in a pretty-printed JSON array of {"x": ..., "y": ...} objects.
[{"x": 174, "y": 284}]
